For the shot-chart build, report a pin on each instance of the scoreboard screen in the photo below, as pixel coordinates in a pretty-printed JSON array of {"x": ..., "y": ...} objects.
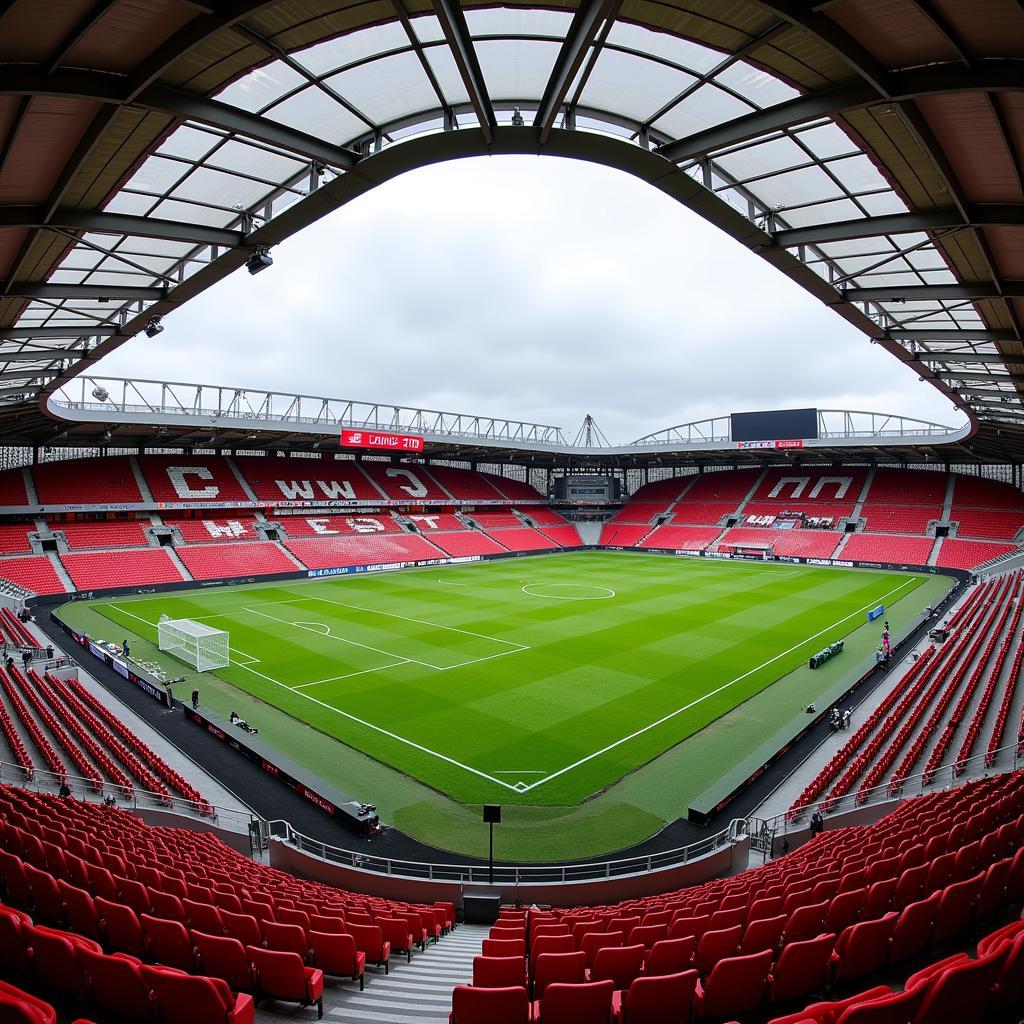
[
  {"x": 379, "y": 441},
  {"x": 586, "y": 488},
  {"x": 779, "y": 425}
]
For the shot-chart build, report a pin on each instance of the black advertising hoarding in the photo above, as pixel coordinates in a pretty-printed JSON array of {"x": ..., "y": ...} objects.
[{"x": 780, "y": 425}]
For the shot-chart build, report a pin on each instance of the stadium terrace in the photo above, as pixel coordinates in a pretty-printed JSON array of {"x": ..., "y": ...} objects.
[{"x": 328, "y": 708}]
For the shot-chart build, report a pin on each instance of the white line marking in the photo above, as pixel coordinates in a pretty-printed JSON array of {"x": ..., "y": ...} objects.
[
  {"x": 524, "y": 771},
  {"x": 387, "y": 732},
  {"x": 349, "y": 675},
  {"x": 360, "y": 721},
  {"x": 340, "y": 639},
  {"x": 712, "y": 693},
  {"x": 407, "y": 618},
  {"x": 606, "y": 596},
  {"x": 139, "y": 618},
  {"x": 317, "y": 627}
]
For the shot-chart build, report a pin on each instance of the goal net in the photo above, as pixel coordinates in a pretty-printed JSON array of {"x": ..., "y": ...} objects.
[
  {"x": 763, "y": 551},
  {"x": 202, "y": 647}
]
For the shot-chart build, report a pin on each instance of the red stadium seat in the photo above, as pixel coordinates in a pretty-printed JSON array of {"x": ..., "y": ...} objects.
[
  {"x": 802, "y": 967},
  {"x": 471, "y": 1005},
  {"x": 284, "y": 976},
  {"x": 735, "y": 986},
  {"x": 664, "y": 999},
  {"x": 499, "y": 971},
  {"x": 589, "y": 1003},
  {"x": 188, "y": 999},
  {"x": 219, "y": 956}
]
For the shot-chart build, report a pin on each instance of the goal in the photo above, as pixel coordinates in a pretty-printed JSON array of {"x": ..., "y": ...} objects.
[{"x": 202, "y": 647}]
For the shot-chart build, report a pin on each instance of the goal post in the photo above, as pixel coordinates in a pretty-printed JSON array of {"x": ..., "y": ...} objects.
[
  {"x": 766, "y": 552},
  {"x": 202, "y": 647}
]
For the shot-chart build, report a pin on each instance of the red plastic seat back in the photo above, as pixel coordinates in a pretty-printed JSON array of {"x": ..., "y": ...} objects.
[
  {"x": 588, "y": 1003},
  {"x": 219, "y": 956},
  {"x": 618, "y": 964},
  {"x": 499, "y": 971},
  {"x": 670, "y": 956},
  {"x": 116, "y": 984},
  {"x": 490, "y": 1005},
  {"x": 657, "y": 1000},
  {"x": 803, "y": 967},
  {"x": 736, "y": 985},
  {"x": 570, "y": 968}
]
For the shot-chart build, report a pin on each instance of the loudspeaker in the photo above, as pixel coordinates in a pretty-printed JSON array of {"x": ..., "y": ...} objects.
[{"x": 492, "y": 813}]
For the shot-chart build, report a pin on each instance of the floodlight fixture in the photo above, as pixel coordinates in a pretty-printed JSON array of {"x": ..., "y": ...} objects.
[
  {"x": 100, "y": 393},
  {"x": 259, "y": 260},
  {"x": 154, "y": 327}
]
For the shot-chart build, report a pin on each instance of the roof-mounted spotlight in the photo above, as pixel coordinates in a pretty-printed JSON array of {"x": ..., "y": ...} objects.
[
  {"x": 154, "y": 327},
  {"x": 259, "y": 260},
  {"x": 100, "y": 393},
  {"x": 107, "y": 435}
]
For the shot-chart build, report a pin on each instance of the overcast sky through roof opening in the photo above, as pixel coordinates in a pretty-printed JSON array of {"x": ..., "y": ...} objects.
[{"x": 532, "y": 288}]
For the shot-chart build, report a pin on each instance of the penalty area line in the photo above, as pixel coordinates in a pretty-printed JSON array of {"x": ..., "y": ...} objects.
[
  {"x": 355, "y": 718},
  {"x": 712, "y": 693},
  {"x": 349, "y": 675},
  {"x": 155, "y": 625},
  {"x": 387, "y": 732}
]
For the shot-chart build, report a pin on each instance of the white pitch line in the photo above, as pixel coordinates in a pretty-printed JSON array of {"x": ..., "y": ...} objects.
[
  {"x": 155, "y": 625},
  {"x": 712, "y": 693},
  {"x": 488, "y": 657},
  {"x": 407, "y": 618},
  {"x": 349, "y": 675},
  {"x": 360, "y": 721},
  {"x": 386, "y": 732},
  {"x": 340, "y": 639}
]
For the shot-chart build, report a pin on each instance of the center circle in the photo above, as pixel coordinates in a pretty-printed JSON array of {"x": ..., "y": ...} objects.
[{"x": 594, "y": 593}]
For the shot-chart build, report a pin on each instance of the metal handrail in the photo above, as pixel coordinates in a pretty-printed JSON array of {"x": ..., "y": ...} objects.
[
  {"x": 505, "y": 874},
  {"x": 1004, "y": 759},
  {"x": 717, "y": 429},
  {"x": 39, "y": 781}
]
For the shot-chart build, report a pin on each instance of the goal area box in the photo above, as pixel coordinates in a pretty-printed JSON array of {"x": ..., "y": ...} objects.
[{"x": 202, "y": 647}]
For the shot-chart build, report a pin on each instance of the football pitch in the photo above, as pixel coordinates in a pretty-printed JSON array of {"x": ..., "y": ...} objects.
[{"x": 535, "y": 681}]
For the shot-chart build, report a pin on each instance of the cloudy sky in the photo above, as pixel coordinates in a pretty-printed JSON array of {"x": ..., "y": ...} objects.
[{"x": 532, "y": 288}]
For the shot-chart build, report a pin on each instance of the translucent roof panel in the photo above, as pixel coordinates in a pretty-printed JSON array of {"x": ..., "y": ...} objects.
[
  {"x": 257, "y": 161},
  {"x": 764, "y": 158},
  {"x": 708, "y": 106},
  {"x": 446, "y": 72},
  {"x": 353, "y": 48},
  {"x": 504, "y": 21},
  {"x": 319, "y": 115},
  {"x": 386, "y": 89},
  {"x": 797, "y": 187},
  {"x": 261, "y": 87},
  {"x": 755, "y": 85},
  {"x": 632, "y": 86},
  {"x": 516, "y": 70},
  {"x": 682, "y": 52}
]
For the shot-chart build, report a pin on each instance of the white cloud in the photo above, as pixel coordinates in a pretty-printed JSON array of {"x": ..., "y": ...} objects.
[{"x": 530, "y": 288}]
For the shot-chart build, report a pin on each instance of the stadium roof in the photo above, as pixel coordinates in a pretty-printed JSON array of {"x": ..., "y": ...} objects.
[{"x": 872, "y": 150}]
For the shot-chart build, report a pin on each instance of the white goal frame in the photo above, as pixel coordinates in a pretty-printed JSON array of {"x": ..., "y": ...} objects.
[{"x": 202, "y": 647}]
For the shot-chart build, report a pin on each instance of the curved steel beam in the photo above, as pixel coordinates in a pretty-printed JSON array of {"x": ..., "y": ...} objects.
[
  {"x": 982, "y": 215},
  {"x": 119, "y": 224},
  {"x": 989, "y": 76},
  {"x": 392, "y": 161}
]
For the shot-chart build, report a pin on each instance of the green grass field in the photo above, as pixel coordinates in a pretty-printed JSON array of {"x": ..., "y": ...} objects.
[{"x": 536, "y": 681}]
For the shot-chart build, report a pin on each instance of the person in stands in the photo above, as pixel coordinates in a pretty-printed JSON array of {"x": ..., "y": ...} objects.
[
  {"x": 817, "y": 823},
  {"x": 195, "y": 700},
  {"x": 65, "y": 790}
]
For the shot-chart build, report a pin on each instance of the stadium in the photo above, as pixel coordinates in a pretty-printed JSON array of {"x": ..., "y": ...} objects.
[{"x": 318, "y": 707}]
